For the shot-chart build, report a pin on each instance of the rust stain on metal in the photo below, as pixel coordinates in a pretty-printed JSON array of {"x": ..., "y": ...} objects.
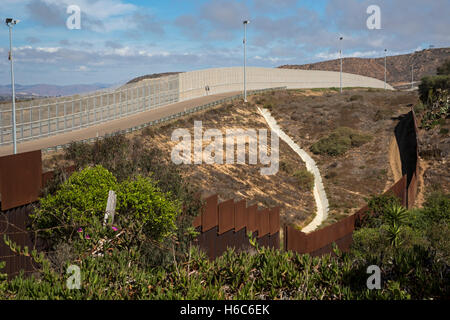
[
  {"x": 210, "y": 216},
  {"x": 240, "y": 215},
  {"x": 226, "y": 216},
  {"x": 251, "y": 218},
  {"x": 274, "y": 220},
  {"x": 263, "y": 222}
]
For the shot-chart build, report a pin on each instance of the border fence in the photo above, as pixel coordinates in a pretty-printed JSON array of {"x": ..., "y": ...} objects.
[
  {"x": 45, "y": 117},
  {"x": 221, "y": 225},
  {"x": 50, "y": 116},
  {"x": 226, "y": 224}
]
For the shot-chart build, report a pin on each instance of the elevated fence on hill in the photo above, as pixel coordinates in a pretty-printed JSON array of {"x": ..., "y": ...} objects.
[
  {"x": 172, "y": 116},
  {"x": 45, "y": 117},
  {"x": 50, "y": 116}
]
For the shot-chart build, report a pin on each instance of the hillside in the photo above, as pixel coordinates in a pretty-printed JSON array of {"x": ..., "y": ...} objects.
[
  {"x": 398, "y": 67},
  {"x": 151, "y": 76},
  {"x": 48, "y": 90}
]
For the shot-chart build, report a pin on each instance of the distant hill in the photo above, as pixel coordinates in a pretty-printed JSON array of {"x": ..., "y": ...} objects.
[
  {"x": 48, "y": 90},
  {"x": 152, "y": 76},
  {"x": 398, "y": 67}
]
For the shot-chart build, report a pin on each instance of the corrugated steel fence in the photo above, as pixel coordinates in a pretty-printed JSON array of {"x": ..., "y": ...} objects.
[
  {"x": 226, "y": 224},
  {"x": 13, "y": 225}
]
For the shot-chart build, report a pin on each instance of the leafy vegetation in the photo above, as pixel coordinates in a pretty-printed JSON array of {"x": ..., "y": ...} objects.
[
  {"x": 434, "y": 94},
  {"x": 415, "y": 266},
  {"x": 340, "y": 141}
]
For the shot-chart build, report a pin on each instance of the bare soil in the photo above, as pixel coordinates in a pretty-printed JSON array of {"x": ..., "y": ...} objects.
[
  {"x": 234, "y": 181},
  {"x": 434, "y": 153},
  {"x": 349, "y": 179},
  {"x": 306, "y": 116}
]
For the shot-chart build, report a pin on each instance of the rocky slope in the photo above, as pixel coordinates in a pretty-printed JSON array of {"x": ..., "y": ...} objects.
[{"x": 398, "y": 67}]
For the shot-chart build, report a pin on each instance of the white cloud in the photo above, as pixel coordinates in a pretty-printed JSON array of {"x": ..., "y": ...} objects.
[
  {"x": 49, "y": 49},
  {"x": 101, "y": 9}
]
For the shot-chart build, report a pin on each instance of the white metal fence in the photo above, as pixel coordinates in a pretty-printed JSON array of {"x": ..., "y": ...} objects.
[
  {"x": 45, "y": 117},
  {"x": 171, "y": 117}
]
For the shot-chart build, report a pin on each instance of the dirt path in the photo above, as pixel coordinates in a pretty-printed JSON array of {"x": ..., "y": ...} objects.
[
  {"x": 420, "y": 197},
  {"x": 319, "y": 190}
]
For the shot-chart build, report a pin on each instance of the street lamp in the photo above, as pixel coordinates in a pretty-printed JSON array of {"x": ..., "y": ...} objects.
[
  {"x": 340, "y": 54},
  {"x": 245, "y": 22},
  {"x": 11, "y": 23},
  {"x": 385, "y": 51}
]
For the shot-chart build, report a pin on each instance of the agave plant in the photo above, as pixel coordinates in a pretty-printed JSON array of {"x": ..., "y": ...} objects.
[{"x": 395, "y": 215}]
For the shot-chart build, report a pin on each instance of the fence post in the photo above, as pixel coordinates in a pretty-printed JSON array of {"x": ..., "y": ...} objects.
[
  {"x": 1, "y": 127},
  {"x": 65, "y": 116},
  {"x": 73, "y": 114}
]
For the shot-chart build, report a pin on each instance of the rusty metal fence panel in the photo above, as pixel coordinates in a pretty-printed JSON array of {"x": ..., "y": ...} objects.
[
  {"x": 20, "y": 179},
  {"x": 225, "y": 225},
  {"x": 13, "y": 225}
]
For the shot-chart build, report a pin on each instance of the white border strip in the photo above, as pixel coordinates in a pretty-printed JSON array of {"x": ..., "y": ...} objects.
[{"x": 320, "y": 195}]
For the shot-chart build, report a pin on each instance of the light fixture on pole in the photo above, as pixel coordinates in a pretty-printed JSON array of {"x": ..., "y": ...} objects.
[
  {"x": 340, "y": 54},
  {"x": 385, "y": 51},
  {"x": 11, "y": 23},
  {"x": 245, "y": 22}
]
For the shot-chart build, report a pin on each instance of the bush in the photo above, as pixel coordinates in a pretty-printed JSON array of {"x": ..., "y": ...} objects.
[
  {"x": 430, "y": 85},
  {"x": 305, "y": 179},
  {"x": 80, "y": 153},
  {"x": 340, "y": 141},
  {"x": 140, "y": 200},
  {"x": 437, "y": 207},
  {"x": 138, "y": 159},
  {"x": 444, "y": 69},
  {"x": 79, "y": 201},
  {"x": 378, "y": 205},
  {"x": 80, "y": 204}
]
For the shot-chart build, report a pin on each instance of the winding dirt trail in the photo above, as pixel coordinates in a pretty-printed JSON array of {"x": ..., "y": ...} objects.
[{"x": 319, "y": 190}]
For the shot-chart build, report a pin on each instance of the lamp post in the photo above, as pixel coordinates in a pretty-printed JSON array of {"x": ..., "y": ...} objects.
[
  {"x": 11, "y": 23},
  {"x": 245, "y": 22},
  {"x": 385, "y": 51},
  {"x": 340, "y": 54}
]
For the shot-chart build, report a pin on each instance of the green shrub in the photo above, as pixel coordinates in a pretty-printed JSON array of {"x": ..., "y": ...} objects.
[
  {"x": 140, "y": 200},
  {"x": 305, "y": 179},
  {"x": 444, "y": 69},
  {"x": 378, "y": 205},
  {"x": 340, "y": 141},
  {"x": 80, "y": 153},
  {"x": 419, "y": 107},
  {"x": 79, "y": 201},
  {"x": 437, "y": 207},
  {"x": 430, "y": 85}
]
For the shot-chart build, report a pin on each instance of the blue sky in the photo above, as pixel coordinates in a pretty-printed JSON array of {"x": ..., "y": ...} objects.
[{"x": 121, "y": 39}]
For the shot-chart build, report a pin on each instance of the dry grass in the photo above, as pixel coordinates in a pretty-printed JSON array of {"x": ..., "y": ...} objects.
[{"x": 362, "y": 169}]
